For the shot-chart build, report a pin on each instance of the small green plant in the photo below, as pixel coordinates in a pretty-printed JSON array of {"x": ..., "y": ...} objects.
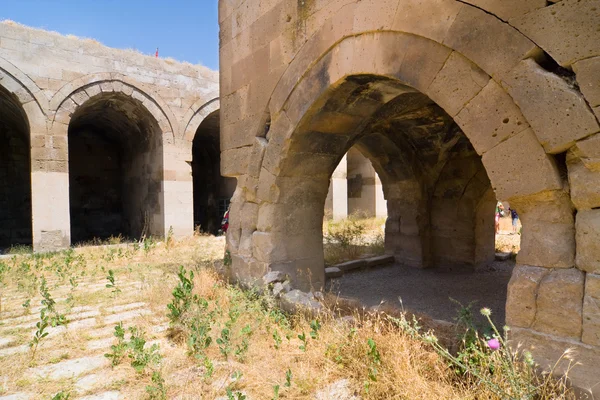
[
  {"x": 276, "y": 338},
  {"x": 231, "y": 395},
  {"x": 224, "y": 342},
  {"x": 26, "y": 305},
  {"x": 374, "y": 361},
  {"x": 111, "y": 283},
  {"x": 55, "y": 318},
  {"x": 182, "y": 296},
  {"x": 117, "y": 351},
  {"x": 315, "y": 325},
  {"x": 61, "y": 396},
  {"x": 275, "y": 392},
  {"x": 227, "y": 260},
  {"x": 302, "y": 337},
  {"x": 288, "y": 378},
  {"x": 209, "y": 367},
  {"x": 141, "y": 357},
  {"x": 39, "y": 334},
  {"x": 199, "y": 338},
  {"x": 157, "y": 391}
]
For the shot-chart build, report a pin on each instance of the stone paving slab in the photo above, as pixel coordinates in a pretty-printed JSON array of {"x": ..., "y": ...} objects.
[
  {"x": 125, "y": 316},
  {"x": 9, "y": 351},
  {"x": 69, "y": 368},
  {"x": 6, "y": 341},
  {"x": 16, "y": 396},
  {"x": 112, "y": 395},
  {"x": 124, "y": 307}
]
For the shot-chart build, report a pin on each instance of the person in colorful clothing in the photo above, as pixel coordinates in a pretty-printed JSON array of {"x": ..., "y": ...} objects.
[{"x": 499, "y": 213}]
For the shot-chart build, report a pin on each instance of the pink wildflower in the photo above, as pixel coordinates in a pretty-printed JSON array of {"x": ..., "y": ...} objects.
[{"x": 493, "y": 344}]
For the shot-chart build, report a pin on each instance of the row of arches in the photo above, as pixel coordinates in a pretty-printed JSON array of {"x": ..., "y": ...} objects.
[{"x": 115, "y": 147}]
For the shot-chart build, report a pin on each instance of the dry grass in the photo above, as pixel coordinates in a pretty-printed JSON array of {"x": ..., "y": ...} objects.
[
  {"x": 508, "y": 243},
  {"x": 352, "y": 238},
  {"x": 407, "y": 367}
]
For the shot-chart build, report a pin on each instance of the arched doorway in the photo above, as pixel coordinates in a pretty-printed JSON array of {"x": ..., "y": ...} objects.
[
  {"x": 115, "y": 169},
  {"x": 15, "y": 173},
  {"x": 212, "y": 192}
]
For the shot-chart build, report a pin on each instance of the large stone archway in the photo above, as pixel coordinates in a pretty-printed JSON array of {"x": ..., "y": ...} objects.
[{"x": 494, "y": 86}]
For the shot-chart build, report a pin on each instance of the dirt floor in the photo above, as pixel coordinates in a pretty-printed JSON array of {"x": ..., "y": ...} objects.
[{"x": 429, "y": 291}]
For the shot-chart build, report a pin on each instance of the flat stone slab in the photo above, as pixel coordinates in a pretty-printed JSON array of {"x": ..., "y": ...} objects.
[
  {"x": 88, "y": 382},
  {"x": 13, "y": 350},
  {"x": 111, "y": 319},
  {"x": 339, "y": 390},
  {"x": 112, "y": 395},
  {"x": 16, "y": 396},
  {"x": 380, "y": 260},
  {"x": 69, "y": 368},
  {"x": 502, "y": 256},
  {"x": 124, "y": 307},
  {"x": 101, "y": 344},
  {"x": 333, "y": 272},
  {"x": 6, "y": 341},
  {"x": 350, "y": 265}
]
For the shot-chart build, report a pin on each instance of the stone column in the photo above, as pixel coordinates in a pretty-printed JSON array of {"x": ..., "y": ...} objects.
[
  {"x": 51, "y": 223},
  {"x": 339, "y": 190},
  {"x": 177, "y": 189}
]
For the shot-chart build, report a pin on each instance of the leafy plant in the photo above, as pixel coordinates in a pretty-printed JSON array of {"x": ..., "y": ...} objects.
[
  {"x": 118, "y": 350},
  {"x": 277, "y": 338},
  {"x": 40, "y": 333},
  {"x": 302, "y": 337},
  {"x": 314, "y": 329},
  {"x": 55, "y": 318},
  {"x": 182, "y": 296},
  {"x": 374, "y": 362},
  {"x": 275, "y": 392},
  {"x": 157, "y": 391},
  {"x": 141, "y": 357},
  {"x": 224, "y": 342},
  {"x": 111, "y": 283},
  {"x": 288, "y": 378},
  {"x": 61, "y": 396}
]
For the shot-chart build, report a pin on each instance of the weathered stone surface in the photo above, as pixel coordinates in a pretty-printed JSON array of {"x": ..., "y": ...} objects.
[
  {"x": 494, "y": 46},
  {"x": 519, "y": 166},
  {"x": 333, "y": 272},
  {"x": 591, "y": 310},
  {"x": 508, "y": 8},
  {"x": 584, "y": 183},
  {"x": 573, "y": 25},
  {"x": 17, "y": 396},
  {"x": 296, "y": 300},
  {"x": 502, "y": 256},
  {"x": 548, "y": 352},
  {"x": 560, "y": 302},
  {"x": 274, "y": 277},
  {"x": 112, "y": 395},
  {"x": 490, "y": 118},
  {"x": 456, "y": 84},
  {"x": 430, "y": 19},
  {"x": 588, "y": 240},
  {"x": 588, "y": 150},
  {"x": 557, "y": 113},
  {"x": 380, "y": 260},
  {"x": 69, "y": 368},
  {"x": 350, "y": 265},
  {"x": 522, "y": 294},
  {"x": 339, "y": 390},
  {"x": 588, "y": 77}
]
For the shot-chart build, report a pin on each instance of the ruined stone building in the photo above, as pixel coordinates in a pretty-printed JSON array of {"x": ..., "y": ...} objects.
[
  {"x": 455, "y": 103},
  {"x": 98, "y": 142}
]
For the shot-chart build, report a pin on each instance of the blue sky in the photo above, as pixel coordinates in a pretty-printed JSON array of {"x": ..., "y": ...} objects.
[{"x": 186, "y": 30}]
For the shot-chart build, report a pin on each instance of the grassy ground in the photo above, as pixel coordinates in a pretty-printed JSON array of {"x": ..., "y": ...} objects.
[{"x": 214, "y": 340}]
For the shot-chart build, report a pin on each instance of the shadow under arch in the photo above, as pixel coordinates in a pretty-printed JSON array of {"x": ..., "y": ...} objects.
[
  {"x": 15, "y": 173},
  {"x": 115, "y": 169}
]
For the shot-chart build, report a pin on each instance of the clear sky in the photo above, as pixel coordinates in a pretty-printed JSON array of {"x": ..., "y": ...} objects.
[{"x": 186, "y": 30}]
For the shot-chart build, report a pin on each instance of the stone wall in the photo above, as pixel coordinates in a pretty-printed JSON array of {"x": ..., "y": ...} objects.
[
  {"x": 54, "y": 79},
  {"x": 518, "y": 79}
]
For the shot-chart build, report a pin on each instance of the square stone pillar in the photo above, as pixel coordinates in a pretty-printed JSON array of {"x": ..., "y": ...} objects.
[
  {"x": 51, "y": 223},
  {"x": 177, "y": 190},
  {"x": 339, "y": 190}
]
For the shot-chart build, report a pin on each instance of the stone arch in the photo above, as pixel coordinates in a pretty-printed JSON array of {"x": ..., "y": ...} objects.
[
  {"x": 76, "y": 92},
  {"x": 116, "y": 156},
  {"x": 196, "y": 114},
  {"x": 504, "y": 138},
  {"x": 18, "y": 111},
  {"x": 17, "y": 82}
]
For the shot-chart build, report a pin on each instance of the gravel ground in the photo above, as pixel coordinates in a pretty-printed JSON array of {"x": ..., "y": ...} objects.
[{"x": 429, "y": 291}]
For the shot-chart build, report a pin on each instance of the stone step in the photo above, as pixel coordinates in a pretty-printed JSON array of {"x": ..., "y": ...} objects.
[
  {"x": 501, "y": 256},
  {"x": 350, "y": 265},
  {"x": 380, "y": 260},
  {"x": 333, "y": 272}
]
